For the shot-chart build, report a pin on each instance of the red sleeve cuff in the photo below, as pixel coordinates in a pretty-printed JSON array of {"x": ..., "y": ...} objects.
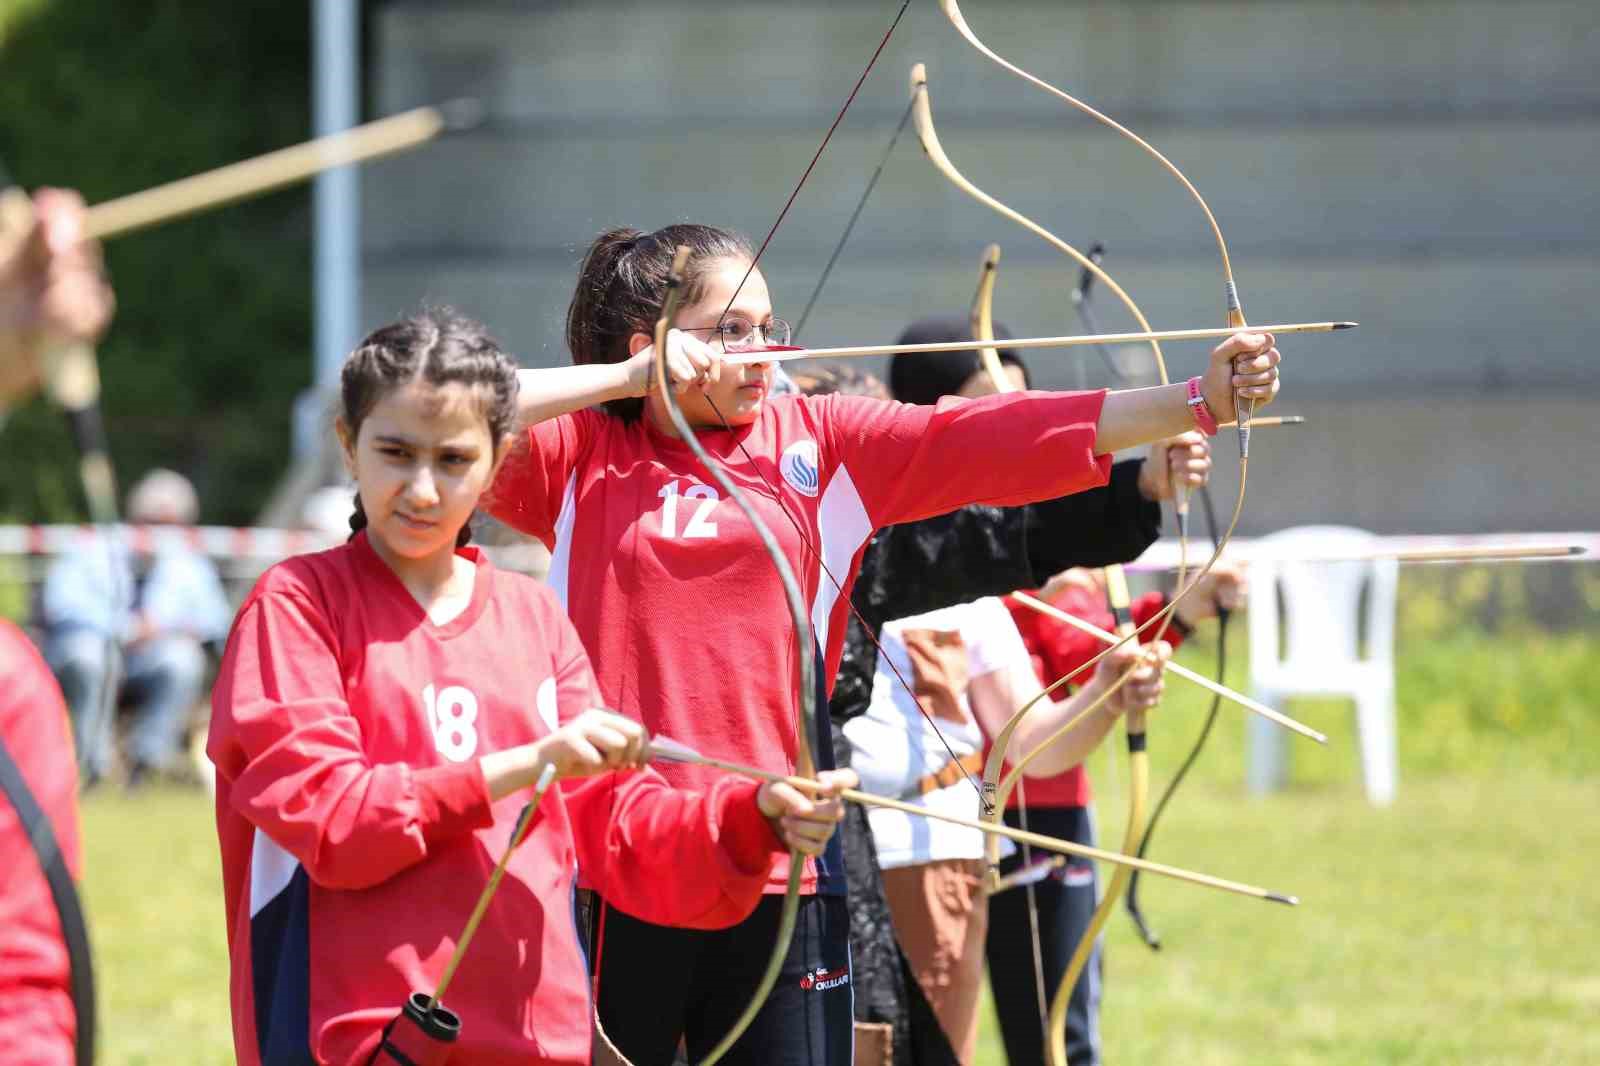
[
  {"x": 452, "y": 800},
  {"x": 746, "y": 836}
]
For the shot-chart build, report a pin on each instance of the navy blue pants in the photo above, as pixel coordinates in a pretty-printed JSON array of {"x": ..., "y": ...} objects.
[
  {"x": 1066, "y": 902},
  {"x": 659, "y": 984}
]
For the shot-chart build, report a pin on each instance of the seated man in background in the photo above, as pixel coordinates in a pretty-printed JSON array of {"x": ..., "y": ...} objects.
[{"x": 125, "y": 629}]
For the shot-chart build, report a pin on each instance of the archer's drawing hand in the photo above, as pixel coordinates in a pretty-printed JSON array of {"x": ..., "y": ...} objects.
[
  {"x": 802, "y": 822},
  {"x": 691, "y": 362}
]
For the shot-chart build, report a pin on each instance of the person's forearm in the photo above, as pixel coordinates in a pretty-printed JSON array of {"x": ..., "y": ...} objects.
[
  {"x": 1131, "y": 417},
  {"x": 511, "y": 770},
  {"x": 1072, "y": 749},
  {"x": 551, "y": 391}
]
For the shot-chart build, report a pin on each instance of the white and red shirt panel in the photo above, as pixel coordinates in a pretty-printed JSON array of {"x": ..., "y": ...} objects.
[{"x": 895, "y": 748}]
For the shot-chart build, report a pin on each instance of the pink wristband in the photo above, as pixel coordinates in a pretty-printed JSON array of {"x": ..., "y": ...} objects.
[{"x": 1204, "y": 420}]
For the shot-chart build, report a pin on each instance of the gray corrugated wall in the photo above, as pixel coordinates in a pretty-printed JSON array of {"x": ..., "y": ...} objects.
[{"x": 1432, "y": 169}]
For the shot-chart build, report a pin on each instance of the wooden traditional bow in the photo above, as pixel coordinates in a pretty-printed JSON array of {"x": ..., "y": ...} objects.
[
  {"x": 1235, "y": 317},
  {"x": 806, "y": 711},
  {"x": 1138, "y": 794},
  {"x": 923, "y": 114},
  {"x": 1053, "y": 1016},
  {"x": 1234, "y": 311}
]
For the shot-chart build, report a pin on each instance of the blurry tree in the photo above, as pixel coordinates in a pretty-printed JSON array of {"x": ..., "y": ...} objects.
[{"x": 211, "y": 340}]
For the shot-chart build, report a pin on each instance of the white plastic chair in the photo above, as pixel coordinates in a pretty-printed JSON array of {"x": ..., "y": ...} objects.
[{"x": 1322, "y": 623}]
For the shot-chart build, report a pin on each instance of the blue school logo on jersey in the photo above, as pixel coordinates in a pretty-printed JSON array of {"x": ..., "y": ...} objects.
[{"x": 799, "y": 466}]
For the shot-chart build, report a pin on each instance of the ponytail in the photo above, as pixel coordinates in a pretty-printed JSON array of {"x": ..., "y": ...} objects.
[{"x": 622, "y": 283}]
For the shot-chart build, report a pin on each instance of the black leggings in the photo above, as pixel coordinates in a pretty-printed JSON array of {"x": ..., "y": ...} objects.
[
  {"x": 659, "y": 984},
  {"x": 1066, "y": 902}
]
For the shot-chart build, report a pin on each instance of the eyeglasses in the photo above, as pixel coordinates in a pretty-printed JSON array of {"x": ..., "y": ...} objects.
[{"x": 739, "y": 334}]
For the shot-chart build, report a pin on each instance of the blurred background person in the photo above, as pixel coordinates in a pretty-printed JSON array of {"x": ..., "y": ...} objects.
[
  {"x": 52, "y": 291},
  {"x": 128, "y": 630}
]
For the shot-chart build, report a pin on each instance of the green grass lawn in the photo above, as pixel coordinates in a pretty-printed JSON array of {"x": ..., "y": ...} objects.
[{"x": 1458, "y": 926}]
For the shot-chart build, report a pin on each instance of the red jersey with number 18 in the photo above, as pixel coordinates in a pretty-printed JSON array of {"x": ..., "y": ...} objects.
[
  {"x": 668, "y": 584},
  {"x": 357, "y": 830}
]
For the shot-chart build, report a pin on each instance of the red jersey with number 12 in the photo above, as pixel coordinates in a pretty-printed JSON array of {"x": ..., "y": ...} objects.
[{"x": 668, "y": 583}]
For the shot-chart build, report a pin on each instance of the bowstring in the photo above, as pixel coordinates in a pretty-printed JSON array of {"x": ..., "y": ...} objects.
[
  {"x": 883, "y": 655},
  {"x": 1131, "y": 901},
  {"x": 872, "y": 183},
  {"x": 767, "y": 240},
  {"x": 600, "y": 926},
  {"x": 750, "y": 459}
]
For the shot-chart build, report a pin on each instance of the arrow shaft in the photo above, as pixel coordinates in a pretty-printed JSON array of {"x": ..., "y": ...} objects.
[
  {"x": 252, "y": 177},
  {"x": 1182, "y": 671},
  {"x": 1027, "y": 343},
  {"x": 1037, "y": 840}
]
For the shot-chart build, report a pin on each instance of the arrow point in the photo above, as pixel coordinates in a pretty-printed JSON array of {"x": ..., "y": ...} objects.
[{"x": 1278, "y": 897}]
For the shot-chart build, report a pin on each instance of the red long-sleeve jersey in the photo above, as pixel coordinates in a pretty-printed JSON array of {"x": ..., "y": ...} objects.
[
  {"x": 357, "y": 829},
  {"x": 668, "y": 584},
  {"x": 37, "y": 1023},
  {"x": 1057, "y": 649}
]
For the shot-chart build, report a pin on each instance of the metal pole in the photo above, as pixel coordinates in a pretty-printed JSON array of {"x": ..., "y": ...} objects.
[{"x": 336, "y": 202}]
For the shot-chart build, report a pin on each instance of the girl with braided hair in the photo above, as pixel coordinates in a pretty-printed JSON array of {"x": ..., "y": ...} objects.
[{"x": 381, "y": 711}]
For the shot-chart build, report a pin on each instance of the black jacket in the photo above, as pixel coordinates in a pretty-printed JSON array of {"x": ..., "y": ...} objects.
[{"x": 922, "y": 566}]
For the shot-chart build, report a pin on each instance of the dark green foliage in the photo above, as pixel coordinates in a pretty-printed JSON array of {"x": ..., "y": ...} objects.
[{"x": 211, "y": 341}]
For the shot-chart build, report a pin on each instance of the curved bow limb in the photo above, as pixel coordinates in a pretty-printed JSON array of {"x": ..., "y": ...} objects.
[
  {"x": 1138, "y": 796},
  {"x": 1230, "y": 290},
  {"x": 806, "y": 711},
  {"x": 981, "y": 319},
  {"x": 981, "y": 322},
  {"x": 922, "y": 115}
]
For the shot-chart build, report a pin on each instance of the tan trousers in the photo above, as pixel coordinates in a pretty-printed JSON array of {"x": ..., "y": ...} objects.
[{"x": 941, "y": 918}]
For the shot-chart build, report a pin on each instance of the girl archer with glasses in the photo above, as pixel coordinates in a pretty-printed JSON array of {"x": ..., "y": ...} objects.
[{"x": 681, "y": 611}]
